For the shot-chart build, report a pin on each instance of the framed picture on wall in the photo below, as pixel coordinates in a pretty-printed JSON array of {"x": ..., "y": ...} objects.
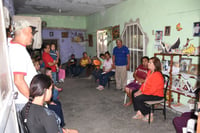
[
  {"x": 184, "y": 64},
  {"x": 193, "y": 69},
  {"x": 196, "y": 29},
  {"x": 51, "y": 34},
  {"x": 90, "y": 40},
  {"x": 64, "y": 34},
  {"x": 167, "y": 30},
  {"x": 159, "y": 35},
  {"x": 115, "y": 32}
]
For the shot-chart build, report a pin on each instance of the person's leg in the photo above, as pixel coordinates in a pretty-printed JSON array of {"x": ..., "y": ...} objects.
[
  {"x": 129, "y": 94},
  {"x": 118, "y": 78},
  {"x": 123, "y": 77},
  {"x": 58, "y": 110},
  {"x": 106, "y": 77},
  {"x": 55, "y": 94},
  {"x": 132, "y": 95},
  {"x": 142, "y": 106},
  {"x": 54, "y": 77}
]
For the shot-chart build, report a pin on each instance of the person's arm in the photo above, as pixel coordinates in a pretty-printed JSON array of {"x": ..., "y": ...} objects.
[
  {"x": 89, "y": 60},
  {"x": 113, "y": 59},
  {"x": 128, "y": 60},
  {"x": 21, "y": 84},
  {"x": 52, "y": 63}
]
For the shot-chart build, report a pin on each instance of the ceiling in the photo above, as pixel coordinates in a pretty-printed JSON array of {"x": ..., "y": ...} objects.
[{"x": 63, "y": 7}]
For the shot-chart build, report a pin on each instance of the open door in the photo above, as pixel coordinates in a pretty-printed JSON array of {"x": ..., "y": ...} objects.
[{"x": 8, "y": 121}]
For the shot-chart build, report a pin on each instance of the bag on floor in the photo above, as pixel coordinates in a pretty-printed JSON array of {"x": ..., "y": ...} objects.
[{"x": 61, "y": 74}]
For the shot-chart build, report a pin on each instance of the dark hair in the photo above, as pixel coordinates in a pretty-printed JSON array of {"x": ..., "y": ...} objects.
[
  {"x": 38, "y": 85},
  {"x": 47, "y": 69},
  {"x": 144, "y": 57},
  {"x": 101, "y": 55},
  {"x": 107, "y": 52},
  {"x": 157, "y": 64},
  {"x": 84, "y": 53}
]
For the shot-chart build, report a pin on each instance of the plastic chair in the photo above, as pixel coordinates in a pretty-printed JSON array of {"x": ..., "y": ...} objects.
[
  {"x": 153, "y": 103},
  {"x": 190, "y": 126}
]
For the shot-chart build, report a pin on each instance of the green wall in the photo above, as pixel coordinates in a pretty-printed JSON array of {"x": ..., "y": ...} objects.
[
  {"x": 153, "y": 15},
  {"x": 70, "y": 22}
]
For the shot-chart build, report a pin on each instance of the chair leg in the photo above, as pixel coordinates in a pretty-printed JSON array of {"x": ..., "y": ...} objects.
[
  {"x": 164, "y": 112},
  {"x": 125, "y": 97},
  {"x": 150, "y": 115}
]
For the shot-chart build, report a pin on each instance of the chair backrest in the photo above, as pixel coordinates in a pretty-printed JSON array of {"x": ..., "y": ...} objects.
[
  {"x": 166, "y": 83},
  {"x": 22, "y": 125}
]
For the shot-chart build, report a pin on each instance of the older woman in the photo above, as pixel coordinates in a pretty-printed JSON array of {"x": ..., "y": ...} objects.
[{"x": 151, "y": 89}]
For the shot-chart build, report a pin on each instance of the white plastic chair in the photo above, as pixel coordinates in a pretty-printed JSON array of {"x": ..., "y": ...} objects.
[{"x": 190, "y": 126}]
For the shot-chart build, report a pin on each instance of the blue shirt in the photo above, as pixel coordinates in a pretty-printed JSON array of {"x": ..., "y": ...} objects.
[
  {"x": 53, "y": 54},
  {"x": 121, "y": 56}
]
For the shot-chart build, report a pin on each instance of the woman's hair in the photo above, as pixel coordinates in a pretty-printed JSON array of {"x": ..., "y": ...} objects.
[
  {"x": 38, "y": 85},
  {"x": 157, "y": 64},
  {"x": 107, "y": 52}
]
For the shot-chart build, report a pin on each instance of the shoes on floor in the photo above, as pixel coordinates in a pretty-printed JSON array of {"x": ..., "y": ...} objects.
[{"x": 100, "y": 87}]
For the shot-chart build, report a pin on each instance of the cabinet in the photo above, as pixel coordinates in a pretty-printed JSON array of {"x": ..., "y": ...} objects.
[{"x": 171, "y": 88}]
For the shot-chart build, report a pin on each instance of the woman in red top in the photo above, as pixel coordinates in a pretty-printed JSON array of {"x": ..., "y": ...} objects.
[{"x": 151, "y": 89}]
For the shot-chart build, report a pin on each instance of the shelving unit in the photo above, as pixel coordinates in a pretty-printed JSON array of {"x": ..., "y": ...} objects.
[{"x": 174, "y": 90}]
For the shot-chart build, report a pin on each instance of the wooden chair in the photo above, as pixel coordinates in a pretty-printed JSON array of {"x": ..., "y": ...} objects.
[
  {"x": 111, "y": 79},
  {"x": 153, "y": 103}
]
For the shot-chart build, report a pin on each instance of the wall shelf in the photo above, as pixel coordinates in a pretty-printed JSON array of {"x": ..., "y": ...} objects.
[{"x": 171, "y": 88}]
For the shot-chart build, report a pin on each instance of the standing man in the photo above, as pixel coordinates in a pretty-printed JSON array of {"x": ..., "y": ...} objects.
[
  {"x": 121, "y": 61},
  {"x": 22, "y": 67}
]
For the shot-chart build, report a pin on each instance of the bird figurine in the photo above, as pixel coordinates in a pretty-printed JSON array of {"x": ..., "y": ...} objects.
[
  {"x": 178, "y": 27},
  {"x": 175, "y": 45},
  {"x": 164, "y": 49},
  {"x": 190, "y": 50},
  {"x": 187, "y": 43}
]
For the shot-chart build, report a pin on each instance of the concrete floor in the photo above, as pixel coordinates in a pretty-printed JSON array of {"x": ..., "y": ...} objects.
[{"x": 93, "y": 111}]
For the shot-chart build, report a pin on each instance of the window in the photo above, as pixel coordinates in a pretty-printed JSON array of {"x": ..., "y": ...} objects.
[{"x": 134, "y": 38}]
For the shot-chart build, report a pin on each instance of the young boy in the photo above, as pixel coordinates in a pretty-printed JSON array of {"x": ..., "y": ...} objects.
[{"x": 48, "y": 72}]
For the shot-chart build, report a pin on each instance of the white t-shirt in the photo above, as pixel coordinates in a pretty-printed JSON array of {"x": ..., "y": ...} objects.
[
  {"x": 107, "y": 64},
  {"x": 20, "y": 62}
]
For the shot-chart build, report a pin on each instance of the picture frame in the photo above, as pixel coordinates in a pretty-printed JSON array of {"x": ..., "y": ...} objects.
[
  {"x": 193, "y": 69},
  {"x": 51, "y": 34},
  {"x": 196, "y": 29},
  {"x": 184, "y": 64},
  {"x": 167, "y": 30},
  {"x": 159, "y": 35},
  {"x": 165, "y": 65},
  {"x": 64, "y": 34},
  {"x": 90, "y": 40},
  {"x": 115, "y": 32}
]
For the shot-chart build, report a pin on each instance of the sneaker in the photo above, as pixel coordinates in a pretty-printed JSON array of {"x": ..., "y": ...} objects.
[{"x": 100, "y": 87}]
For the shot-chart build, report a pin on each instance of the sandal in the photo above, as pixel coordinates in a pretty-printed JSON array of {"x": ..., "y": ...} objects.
[
  {"x": 146, "y": 119},
  {"x": 137, "y": 117},
  {"x": 128, "y": 104}
]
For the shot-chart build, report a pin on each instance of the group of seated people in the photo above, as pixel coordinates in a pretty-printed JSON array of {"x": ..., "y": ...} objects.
[{"x": 43, "y": 112}]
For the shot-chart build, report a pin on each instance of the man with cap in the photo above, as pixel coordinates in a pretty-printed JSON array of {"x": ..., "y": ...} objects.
[{"x": 22, "y": 67}]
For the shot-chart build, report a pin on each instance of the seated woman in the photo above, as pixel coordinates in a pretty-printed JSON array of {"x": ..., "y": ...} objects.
[
  {"x": 139, "y": 78},
  {"x": 85, "y": 64},
  {"x": 151, "y": 89},
  {"x": 38, "y": 118},
  {"x": 98, "y": 66},
  {"x": 107, "y": 71}
]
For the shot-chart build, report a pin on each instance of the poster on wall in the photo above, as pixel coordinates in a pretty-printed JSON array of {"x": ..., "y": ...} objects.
[
  {"x": 90, "y": 40},
  {"x": 196, "y": 31},
  {"x": 159, "y": 35},
  {"x": 77, "y": 36},
  {"x": 115, "y": 32}
]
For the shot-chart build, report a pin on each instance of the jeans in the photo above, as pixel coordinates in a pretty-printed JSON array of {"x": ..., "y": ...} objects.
[
  {"x": 103, "y": 79},
  {"x": 54, "y": 77}
]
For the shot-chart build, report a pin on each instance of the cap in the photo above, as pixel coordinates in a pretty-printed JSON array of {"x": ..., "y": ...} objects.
[{"x": 21, "y": 24}]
